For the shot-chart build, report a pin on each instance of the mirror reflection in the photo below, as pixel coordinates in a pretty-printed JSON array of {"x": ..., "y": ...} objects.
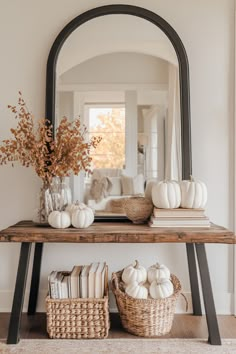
[{"x": 120, "y": 74}]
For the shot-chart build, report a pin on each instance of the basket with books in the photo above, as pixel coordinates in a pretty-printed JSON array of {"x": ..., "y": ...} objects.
[
  {"x": 145, "y": 317},
  {"x": 77, "y": 303}
]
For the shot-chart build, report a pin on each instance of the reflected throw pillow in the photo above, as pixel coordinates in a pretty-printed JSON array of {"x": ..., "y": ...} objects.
[
  {"x": 100, "y": 188},
  {"x": 116, "y": 186},
  {"x": 132, "y": 185}
]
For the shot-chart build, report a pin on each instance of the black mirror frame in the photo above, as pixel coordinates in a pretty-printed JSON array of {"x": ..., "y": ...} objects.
[{"x": 180, "y": 52}]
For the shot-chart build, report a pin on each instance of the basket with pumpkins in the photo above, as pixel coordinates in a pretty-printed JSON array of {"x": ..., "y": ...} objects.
[{"x": 146, "y": 298}]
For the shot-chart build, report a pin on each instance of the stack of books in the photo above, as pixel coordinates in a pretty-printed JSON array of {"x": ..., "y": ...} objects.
[
  {"x": 83, "y": 281},
  {"x": 179, "y": 217}
]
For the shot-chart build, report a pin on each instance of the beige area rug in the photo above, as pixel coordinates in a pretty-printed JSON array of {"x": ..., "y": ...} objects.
[{"x": 121, "y": 346}]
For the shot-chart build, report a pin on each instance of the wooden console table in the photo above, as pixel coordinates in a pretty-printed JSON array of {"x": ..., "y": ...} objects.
[{"x": 27, "y": 233}]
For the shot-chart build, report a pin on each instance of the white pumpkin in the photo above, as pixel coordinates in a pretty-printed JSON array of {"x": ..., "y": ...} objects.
[
  {"x": 136, "y": 290},
  {"x": 157, "y": 272},
  {"x": 74, "y": 206},
  {"x": 134, "y": 272},
  {"x": 159, "y": 289},
  {"x": 193, "y": 194},
  {"x": 166, "y": 194},
  {"x": 82, "y": 217},
  {"x": 59, "y": 219}
]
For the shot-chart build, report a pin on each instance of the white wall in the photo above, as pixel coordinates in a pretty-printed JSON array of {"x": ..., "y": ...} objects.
[
  {"x": 121, "y": 68},
  {"x": 27, "y": 30}
]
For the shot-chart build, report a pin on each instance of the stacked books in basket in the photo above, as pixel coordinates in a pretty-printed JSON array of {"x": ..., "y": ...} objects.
[
  {"x": 77, "y": 306},
  {"x": 179, "y": 217},
  {"x": 83, "y": 281}
]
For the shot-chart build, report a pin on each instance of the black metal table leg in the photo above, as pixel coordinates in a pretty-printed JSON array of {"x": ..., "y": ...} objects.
[
  {"x": 34, "y": 287},
  {"x": 192, "y": 266},
  {"x": 212, "y": 324},
  {"x": 19, "y": 294}
]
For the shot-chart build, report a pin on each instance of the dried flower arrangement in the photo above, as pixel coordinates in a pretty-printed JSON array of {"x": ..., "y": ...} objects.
[{"x": 34, "y": 145}]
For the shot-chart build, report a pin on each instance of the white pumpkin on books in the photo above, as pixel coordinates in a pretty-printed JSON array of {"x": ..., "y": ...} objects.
[
  {"x": 166, "y": 194},
  {"x": 193, "y": 194}
]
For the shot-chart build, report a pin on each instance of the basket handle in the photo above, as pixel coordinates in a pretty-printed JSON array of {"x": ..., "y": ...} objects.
[
  {"x": 114, "y": 282},
  {"x": 186, "y": 301}
]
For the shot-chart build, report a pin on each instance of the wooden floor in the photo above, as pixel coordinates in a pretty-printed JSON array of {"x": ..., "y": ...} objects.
[{"x": 184, "y": 326}]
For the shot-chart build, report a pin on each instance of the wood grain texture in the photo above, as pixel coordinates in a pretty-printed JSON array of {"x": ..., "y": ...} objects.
[{"x": 118, "y": 232}]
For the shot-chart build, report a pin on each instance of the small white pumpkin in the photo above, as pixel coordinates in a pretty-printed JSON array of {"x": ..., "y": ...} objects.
[
  {"x": 134, "y": 272},
  {"x": 193, "y": 194},
  {"x": 159, "y": 289},
  {"x": 74, "y": 206},
  {"x": 136, "y": 290},
  {"x": 157, "y": 271},
  {"x": 82, "y": 217},
  {"x": 166, "y": 194},
  {"x": 59, "y": 219}
]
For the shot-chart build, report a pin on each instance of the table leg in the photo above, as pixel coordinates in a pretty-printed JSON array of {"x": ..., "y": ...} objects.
[
  {"x": 19, "y": 294},
  {"x": 197, "y": 310},
  {"x": 34, "y": 287},
  {"x": 212, "y": 324}
]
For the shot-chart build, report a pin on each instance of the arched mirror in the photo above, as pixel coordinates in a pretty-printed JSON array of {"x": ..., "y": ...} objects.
[{"x": 124, "y": 71}]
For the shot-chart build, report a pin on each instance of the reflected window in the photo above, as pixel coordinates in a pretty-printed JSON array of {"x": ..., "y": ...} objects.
[{"x": 109, "y": 123}]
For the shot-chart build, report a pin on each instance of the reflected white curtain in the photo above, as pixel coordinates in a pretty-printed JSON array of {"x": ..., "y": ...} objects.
[
  {"x": 154, "y": 148},
  {"x": 173, "y": 157}
]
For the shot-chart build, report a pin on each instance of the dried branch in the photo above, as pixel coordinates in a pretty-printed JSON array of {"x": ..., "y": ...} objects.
[{"x": 33, "y": 145}]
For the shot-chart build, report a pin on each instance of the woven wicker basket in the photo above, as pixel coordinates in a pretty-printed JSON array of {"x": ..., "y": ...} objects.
[
  {"x": 145, "y": 317},
  {"x": 78, "y": 318},
  {"x": 117, "y": 205},
  {"x": 138, "y": 209}
]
